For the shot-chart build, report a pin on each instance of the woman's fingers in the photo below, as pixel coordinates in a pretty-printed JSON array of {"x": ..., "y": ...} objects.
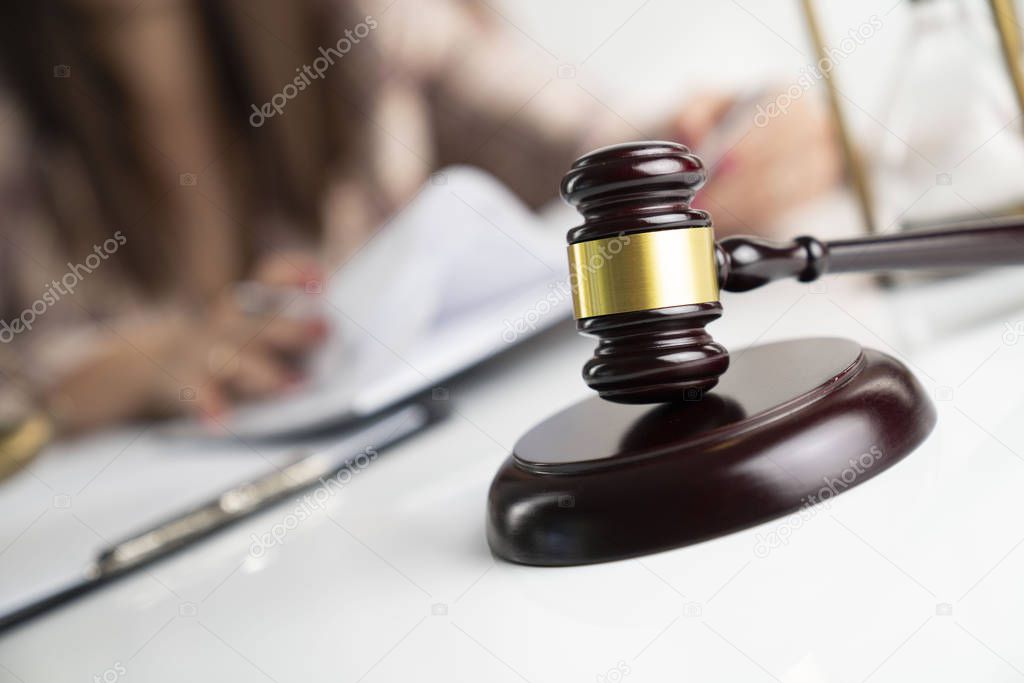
[
  {"x": 788, "y": 138},
  {"x": 249, "y": 343},
  {"x": 295, "y": 268},
  {"x": 699, "y": 116},
  {"x": 242, "y": 322},
  {"x": 752, "y": 199},
  {"x": 290, "y": 336},
  {"x": 257, "y": 374},
  {"x": 210, "y": 403},
  {"x": 791, "y": 160}
]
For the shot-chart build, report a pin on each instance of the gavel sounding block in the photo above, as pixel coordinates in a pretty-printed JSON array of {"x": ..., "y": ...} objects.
[{"x": 790, "y": 424}]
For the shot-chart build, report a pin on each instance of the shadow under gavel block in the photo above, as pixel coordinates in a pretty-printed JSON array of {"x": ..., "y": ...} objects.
[{"x": 789, "y": 425}]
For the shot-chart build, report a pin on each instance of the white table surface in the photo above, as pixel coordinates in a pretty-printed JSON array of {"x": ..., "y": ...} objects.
[{"x": 914, "y": 574}]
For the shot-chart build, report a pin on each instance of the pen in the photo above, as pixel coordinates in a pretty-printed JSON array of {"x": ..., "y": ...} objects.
[{"x": 730, "y": 128}]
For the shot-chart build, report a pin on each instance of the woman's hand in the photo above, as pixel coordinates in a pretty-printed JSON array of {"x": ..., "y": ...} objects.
[
  {"x": 249, "y": 344},
  {"x": 768, "y": 161}
]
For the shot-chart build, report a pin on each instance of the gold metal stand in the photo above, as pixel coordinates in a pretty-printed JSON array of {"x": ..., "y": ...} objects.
[
  {"x": 22, "y": 442},
  {"x": 1005, "y": 16},
  {"x": 854, "y": 164}
]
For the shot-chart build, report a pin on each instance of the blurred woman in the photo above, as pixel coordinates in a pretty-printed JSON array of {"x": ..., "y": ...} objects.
[{"x": 154, "y": 154}]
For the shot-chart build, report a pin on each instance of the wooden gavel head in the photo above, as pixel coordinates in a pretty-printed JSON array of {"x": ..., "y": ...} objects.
[{"x": 644, "y": 273}]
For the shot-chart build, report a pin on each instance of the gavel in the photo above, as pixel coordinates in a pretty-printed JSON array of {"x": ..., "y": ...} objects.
[{"x": 646, "y": 271}]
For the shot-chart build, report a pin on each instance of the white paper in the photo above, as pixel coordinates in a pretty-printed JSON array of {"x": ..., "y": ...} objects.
[{"x": 434, "y": 292}]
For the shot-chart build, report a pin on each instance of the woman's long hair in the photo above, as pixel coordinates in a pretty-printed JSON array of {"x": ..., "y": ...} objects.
[{"x": 90, "y": 163}]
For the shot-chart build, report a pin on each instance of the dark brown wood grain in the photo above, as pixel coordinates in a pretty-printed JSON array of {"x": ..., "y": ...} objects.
[
  {"x": 664, "y": 354},
  {"x": 660, "y": 355},
  {"x": 745, "y": 263},
  {"x": 790, "y": 424},
  {"x": 645, "y": 356},
  {"x": 634, "y": 187}
]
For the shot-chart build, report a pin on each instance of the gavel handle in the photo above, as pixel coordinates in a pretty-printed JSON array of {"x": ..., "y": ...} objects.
[{"x": 745, "y": 263}]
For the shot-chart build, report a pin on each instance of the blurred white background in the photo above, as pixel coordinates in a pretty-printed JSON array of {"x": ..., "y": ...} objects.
[{"x": 646, "y": 55}]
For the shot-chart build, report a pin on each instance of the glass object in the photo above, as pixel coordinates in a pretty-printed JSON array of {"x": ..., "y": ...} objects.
[{"x": 951, "y": 141}]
